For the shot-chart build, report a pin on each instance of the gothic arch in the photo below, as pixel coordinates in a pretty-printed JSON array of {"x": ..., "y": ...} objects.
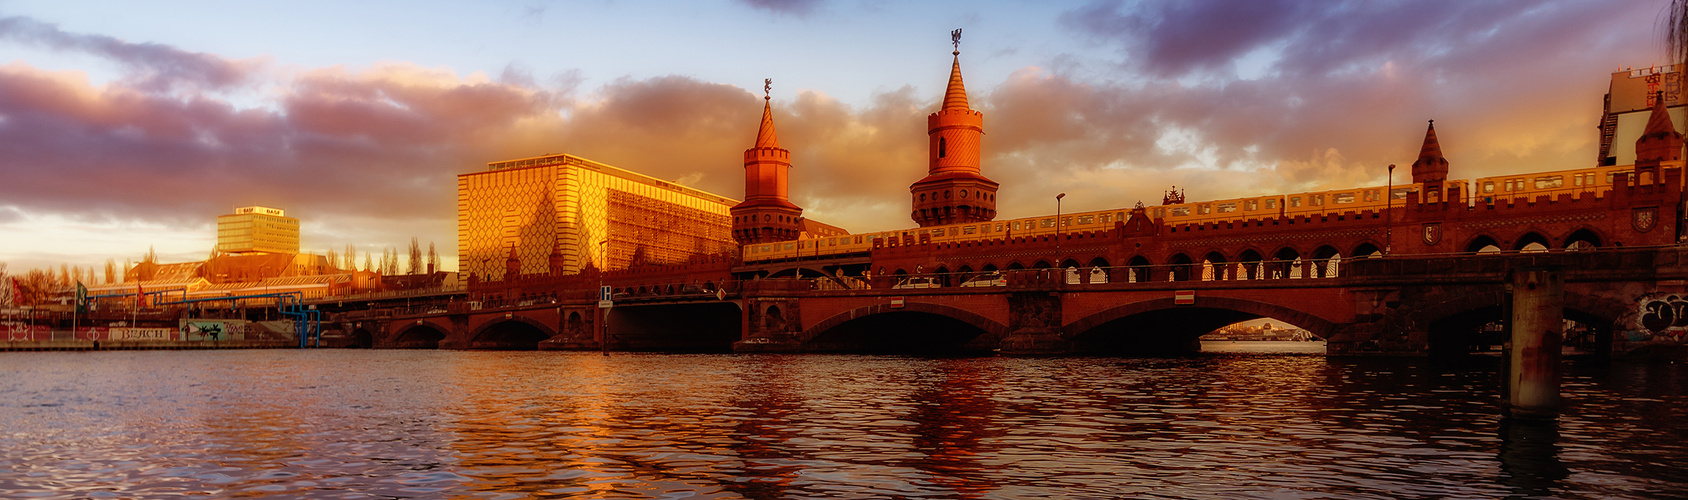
[
  {"x": 990, "y": 327},
  {"x": 1587, "y": 237},
  {"x": 1482, "y": 243}
]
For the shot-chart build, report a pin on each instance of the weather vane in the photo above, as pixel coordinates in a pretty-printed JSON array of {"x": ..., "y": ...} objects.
[
  {"x": 768, "y": 89},
  {"x": 955, "y": 38}
]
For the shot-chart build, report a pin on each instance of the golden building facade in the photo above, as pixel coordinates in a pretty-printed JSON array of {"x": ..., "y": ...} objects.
[
  {"x": 257, "y": 229},
  {"x": 551, "y": 214}
]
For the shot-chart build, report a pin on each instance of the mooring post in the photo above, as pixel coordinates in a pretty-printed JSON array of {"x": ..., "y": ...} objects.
[{"x": 1537, "y": 322}]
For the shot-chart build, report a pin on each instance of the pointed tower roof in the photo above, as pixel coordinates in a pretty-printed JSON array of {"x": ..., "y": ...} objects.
[
  {"x": 956, "y": 95},
  {"x": 1432, "y": 148},
  {"x": 1659, "y": 121},
  {"x": 765, "y": 137}
]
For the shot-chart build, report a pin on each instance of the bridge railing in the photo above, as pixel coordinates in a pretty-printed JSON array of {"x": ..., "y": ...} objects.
[{"x": 1602, "y": 260}]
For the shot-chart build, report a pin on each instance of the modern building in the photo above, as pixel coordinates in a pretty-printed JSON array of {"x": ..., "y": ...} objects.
[
  {"x": 559, "y": 214},
  {"x": 257, "y": 229},
  {"x": 1629, "y": 104}
]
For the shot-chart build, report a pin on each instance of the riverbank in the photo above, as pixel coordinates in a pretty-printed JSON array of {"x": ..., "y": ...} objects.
[{"x": 141, "y": 345}]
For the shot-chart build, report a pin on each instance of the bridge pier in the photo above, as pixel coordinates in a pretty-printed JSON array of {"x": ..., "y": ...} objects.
[
  {"x": 770, "y": 324},
  {"x": 1035, "y": 324},
  {"x": 578, "y": 329},
  {"x": 1531, "y": 383}
]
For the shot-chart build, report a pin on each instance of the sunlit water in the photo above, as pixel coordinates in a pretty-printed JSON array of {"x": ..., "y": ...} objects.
[{"x": 385, "y": 424}]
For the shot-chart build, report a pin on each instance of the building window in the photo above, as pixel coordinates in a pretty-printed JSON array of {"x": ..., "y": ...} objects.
[{"x": 941, "y": 144}]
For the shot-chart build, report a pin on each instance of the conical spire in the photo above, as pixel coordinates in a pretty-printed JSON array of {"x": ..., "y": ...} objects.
[
  {"x": 765, "y": 137},
  {"x": 1659, "y": 121},
  {"x": 1431, "y": 149},
  {"x": 956, "y": 95}
]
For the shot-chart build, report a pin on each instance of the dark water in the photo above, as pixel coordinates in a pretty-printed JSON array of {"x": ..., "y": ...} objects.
[{"x": 384, "y": 424}]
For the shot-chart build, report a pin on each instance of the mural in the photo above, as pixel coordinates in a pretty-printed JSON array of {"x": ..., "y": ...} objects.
[
  {"x": 1660, "y": 317},
  {"x": 213, "y": 330}
]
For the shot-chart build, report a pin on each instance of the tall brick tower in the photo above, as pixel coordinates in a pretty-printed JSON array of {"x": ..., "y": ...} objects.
[
  {"x": 1431, "y": 167},
  {"x": 954, "y": 191},
  {"x": 766, "y": 214}
]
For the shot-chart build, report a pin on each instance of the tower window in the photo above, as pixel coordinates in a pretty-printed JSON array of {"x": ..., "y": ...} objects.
[{"x": 941, "y": 147}]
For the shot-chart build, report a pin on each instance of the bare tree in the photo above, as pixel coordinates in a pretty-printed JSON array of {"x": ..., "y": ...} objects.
[
  {"x": 111, "y": 271},
  {"x": 433, "y": 258},
  {"x": 1676, "y": 31},
  {"x": 415, "y": 263},
  {"x": 368, "y": 265}
]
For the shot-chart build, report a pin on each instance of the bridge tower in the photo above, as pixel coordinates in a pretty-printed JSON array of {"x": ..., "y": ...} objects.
[
  {"x": 766, "y": 214},
  {"x": 1431, "y": 169},
  {"x": 1660, "y": 142},
  {"x": 954, "y": 191}
]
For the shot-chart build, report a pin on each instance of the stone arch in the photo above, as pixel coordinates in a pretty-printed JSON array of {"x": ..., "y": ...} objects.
[
  {"x": 1482, "y": 243},
  {"x": 1140, "y": 270},
  {"x": 1447, "y": 321},
  {"x": 1251, "y": 263},
  {"x": 1179, "y": 267},
  {"x": 1327, "y": 262},
  {"x": 942, "y": 273},
  {"x": 1315, "y": 325},
  {"x": 513, "y": 333},
  {"x": 419, "y": 335},
  {"x": 1584, "y": 238},
  {"x": 1365, "y": 250},
  {"x": 1532, "y": 241},
  {"x": 1286, "y": 264},
  {"x": 362, "y": 338},
  {"x": 988, "y": 328},
  {"x": 575, "y": 324},
  {"x": 1214, "y": 267}
]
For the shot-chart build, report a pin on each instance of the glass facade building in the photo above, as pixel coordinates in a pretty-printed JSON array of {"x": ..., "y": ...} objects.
[
  {"x": 552, "y": 212},
  {"x": 257, "y": 229}
]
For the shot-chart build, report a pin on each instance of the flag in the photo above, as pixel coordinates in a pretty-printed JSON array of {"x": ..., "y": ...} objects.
[
  {"x": 140, "y": 295},
  {"x": 81, "y": 298}
]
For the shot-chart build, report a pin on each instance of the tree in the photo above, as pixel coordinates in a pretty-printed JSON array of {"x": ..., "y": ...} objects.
[
  {"x": 34, "y": 288},
  {"x": 111, "y": 271},
  {"x": 367, "y": 265},
  {"x": 352, "y": 258},
  {"x": 1676, "y": 31},
  {"x": 332, "y": 258},
  {"x": 433, "y": 258},
  {"x": 415, "y": 263}
]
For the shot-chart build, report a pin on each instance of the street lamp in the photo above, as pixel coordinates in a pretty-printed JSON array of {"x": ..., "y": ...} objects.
[
  {"x": 1388, "y": 212},
  {"x": 1058, "y": 221}
]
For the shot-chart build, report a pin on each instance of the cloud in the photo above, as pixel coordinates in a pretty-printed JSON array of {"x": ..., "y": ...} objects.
[
  {"x": 796, "y": 8},
  {"x": 152, "y": 67}
]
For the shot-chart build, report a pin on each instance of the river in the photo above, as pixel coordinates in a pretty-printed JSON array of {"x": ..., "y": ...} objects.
[{"x": 430, "y": 424}]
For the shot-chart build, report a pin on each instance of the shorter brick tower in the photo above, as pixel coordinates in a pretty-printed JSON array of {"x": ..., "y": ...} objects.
[
  {"x": 766, "y": 214},
  {"x": 1660, "y": 141}
]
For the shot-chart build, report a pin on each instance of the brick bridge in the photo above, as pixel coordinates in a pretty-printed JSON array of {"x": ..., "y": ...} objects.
[
  {"x": 1441, "y": 288},
  {"x": 1620, "y": 299}
]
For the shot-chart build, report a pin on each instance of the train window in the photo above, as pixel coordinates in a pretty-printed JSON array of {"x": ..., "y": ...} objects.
[
  {"x": 1271, "y": 204},
  {"x": 1227, "y": 207},
  {"x": 766, "y": 248},
  {"x": 1489, "y": 186},
  {"x": 1180, "y": 211},
  {"x": 1340, "y": 198},
  {"x": 1086, "y": 219},
  {"x": 1106, "y": 218},
  {"x": 999, "y": 228},
  {"x": 787, "y": 246},
  {"x": 1318, "y": 200},
  {"x": 1400, "y": 193},
  {"x": 969, "y": 230},
  {"x": 1120, "y": 216},
  {"x": 1047, "y": 223},
  {"x": 1294, "y": 201},
  {"x": 1550, "y": 182},
  {"x": 1066, "y": 221},
  {"x": 1577, "y": 181}
]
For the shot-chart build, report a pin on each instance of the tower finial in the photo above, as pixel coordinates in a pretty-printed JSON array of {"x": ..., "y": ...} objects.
[
  {"x": 767, "y": 89},
  {"x": 955, "y": 39}
]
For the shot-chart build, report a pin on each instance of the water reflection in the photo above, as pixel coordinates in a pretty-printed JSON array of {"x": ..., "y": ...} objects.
[{"x": 401, "y": 424}]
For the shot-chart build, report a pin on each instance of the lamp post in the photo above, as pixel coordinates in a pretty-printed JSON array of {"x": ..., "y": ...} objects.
[
  {"x": 603, "y": 316},
  {"x": 1389, "y": 212},
  {"x": 1058, "y": 221}
]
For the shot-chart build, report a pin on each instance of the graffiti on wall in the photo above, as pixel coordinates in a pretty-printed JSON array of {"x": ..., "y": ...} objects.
[
  {"x": 1661, "y": 317},
  {"x": 213, "y": 330}
]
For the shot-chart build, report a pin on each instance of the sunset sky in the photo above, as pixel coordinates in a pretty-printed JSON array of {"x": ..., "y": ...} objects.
[{"x": 128, "y": 125}]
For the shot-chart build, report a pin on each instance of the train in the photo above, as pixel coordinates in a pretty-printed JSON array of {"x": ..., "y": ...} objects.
[{"x": 1486, "y": 190}]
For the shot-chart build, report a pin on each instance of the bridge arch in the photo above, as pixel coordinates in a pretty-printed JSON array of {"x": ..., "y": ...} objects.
[
  {"x": 1366, "y": 249},
  {"x": 1453, "y": 324},
  {"x": 1139, "y": 271},
  {"x": 1250, "y": 260},
  {"x": 1482, "y": 243},
  {"x": 516, "y": 333},
  {"x": 1532, "y": 241},
  {"x": 1584, "y": 238},
  {"x": 917, "y": 326},
  {"x": 1178, "y": 267},
  {"x": 419, "y": 335},
  {"x": 1160, "y": 324}
]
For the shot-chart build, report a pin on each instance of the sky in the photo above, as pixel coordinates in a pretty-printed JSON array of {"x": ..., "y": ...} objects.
[{"x": 126, "y": 126}]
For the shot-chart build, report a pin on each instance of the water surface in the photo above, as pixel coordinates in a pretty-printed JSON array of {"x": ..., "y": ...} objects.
[{"x": 403, "y": 424}]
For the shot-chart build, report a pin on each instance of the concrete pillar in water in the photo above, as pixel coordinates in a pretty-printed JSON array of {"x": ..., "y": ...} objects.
[{"x": 1537, "y": 323}]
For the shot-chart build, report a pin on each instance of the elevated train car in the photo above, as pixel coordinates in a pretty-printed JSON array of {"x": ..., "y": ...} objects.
[{"x": 1595, "y": 181}]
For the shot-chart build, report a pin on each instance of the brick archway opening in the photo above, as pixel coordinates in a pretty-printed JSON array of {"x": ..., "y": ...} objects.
[
  {"x": 1160, "y": 327},
  {"x": 710, "y": 326},
  {"x": 422, "y": 336},
  {"x": 915, "y": 329},
  {"x": 1475, "y": 324},
  {"x": 361, "y": 338},
  {"x": 516, "y": 334}
]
